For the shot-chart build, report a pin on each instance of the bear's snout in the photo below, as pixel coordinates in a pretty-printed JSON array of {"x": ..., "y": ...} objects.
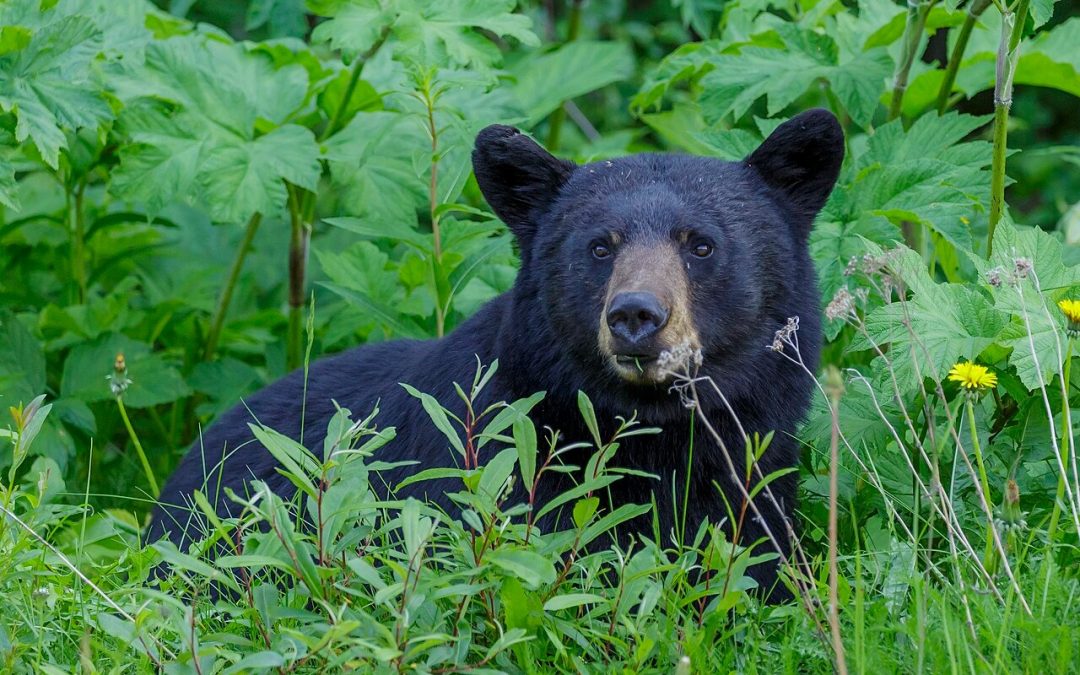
[{"x": 634, "y": 318}]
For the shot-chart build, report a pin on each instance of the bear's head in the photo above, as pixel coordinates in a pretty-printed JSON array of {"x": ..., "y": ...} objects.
[{"x": 630, "y": 257}]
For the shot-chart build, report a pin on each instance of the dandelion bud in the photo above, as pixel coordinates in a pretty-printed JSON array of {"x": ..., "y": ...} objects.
[{"x": 118, "y": 381}]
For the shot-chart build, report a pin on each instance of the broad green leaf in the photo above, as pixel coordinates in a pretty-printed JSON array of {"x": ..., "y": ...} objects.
[
  {"x": 426, "y": 31},
  {"x": 1036, "y": 332},
  {"x": 246, "y": 177},
  {"x": 927, "y": 334},
  {"x": 437, "y": 31},
  {"x": 371, "y": 165},
  {"x": 355, "y": 25},
  {"x": 161, "y": 166},
  {"x": 575, "y": 69},
  {"x": 282, "y": 17},
  {"x": 153, "y": 380},
  {"x": 781, "y": 75},
  {"x": 22, "y": 363},
  {"x": 924, "y": 174},
  {"x": 48, "y": 85}
]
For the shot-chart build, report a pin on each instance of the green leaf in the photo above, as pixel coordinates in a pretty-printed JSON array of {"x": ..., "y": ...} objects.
[
  {"x": 525, "y": 444},
  {"x": 924, "y": 174},
  {"x": 283, "y": 17},
  {"x": 371, "y": 165},
  {"x": 48, "y": 85},
  {"x": 1036, "y": 332},
  {"x": 8, "y": 186},
  {"x": 532, "y": 568},
  {"x": 153, "y": 380},
  {"x": 243, "y": 178},
  {"x": 438, "y": 31},
  {"x": 438, "y": 416},
  {"x": 736, "y": 81},
  {"x": 22, "y": 363},
  {"x": 14, "y": 38},
  {"x": 573, "y": 600},
  {"x": 575, "y": 69},
  {"x": 162, "y": 164},
  {"x": 928, "y": 334},
  {"x": 355, "y": 26}
]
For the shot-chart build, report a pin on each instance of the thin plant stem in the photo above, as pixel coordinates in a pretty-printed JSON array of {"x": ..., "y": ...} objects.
[
  {"x": 138, "y": 446},
  {"x": 835, "y": 387},
  {"x": 913, "y": 34},
  {"x": 225, "y": 299},
  {"x": 1066, "y": 438},
  {"x": 974, "y": 11},
  {"x": 686, "y": 484},
  {"x": 1012, "y": 29},
  {"x": 989, "y": 552}
]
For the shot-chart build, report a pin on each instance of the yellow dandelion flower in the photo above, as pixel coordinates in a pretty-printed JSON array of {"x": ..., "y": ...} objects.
[
  {"x": 1071, "y": 310},
  {"x": 973, "y": 377}
]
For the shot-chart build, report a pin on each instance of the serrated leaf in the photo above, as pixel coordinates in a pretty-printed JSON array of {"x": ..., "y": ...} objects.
[
  {"x": 923, "y": 175},
  {"x": 737, "y": 80},
  {"x": 243, "y": 178},
  {"x": 927, "y": 334},
  {"x": 47, "y": 85},
  {"x": 371, "y": 163},
  {"x": 437, "y": 31},
  {"x": 1035, "y": 332},
  {"x": 574, "y": 69},
  {"x": 163, "y": 162}
]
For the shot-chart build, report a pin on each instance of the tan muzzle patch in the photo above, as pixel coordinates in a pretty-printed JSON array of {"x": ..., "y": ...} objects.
[{"x": 659, "y": 270}]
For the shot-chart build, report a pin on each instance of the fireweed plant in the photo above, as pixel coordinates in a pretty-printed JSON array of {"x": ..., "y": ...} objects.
[{"x": 180, "y": 188}]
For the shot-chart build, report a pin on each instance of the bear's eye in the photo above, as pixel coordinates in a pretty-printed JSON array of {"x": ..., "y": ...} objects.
[
  {"x": 702, "y": 250},
  {"x": 600, "y": 250}
]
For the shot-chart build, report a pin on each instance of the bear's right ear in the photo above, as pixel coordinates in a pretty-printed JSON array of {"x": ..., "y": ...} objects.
[{"x": 516, "y": 175}]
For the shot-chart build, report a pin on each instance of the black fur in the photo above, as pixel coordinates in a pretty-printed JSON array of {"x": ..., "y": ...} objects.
[{"x": 544, "y": 331}]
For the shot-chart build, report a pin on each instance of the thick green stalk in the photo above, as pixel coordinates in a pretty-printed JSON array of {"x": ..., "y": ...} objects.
[
  {"x": 913, "y": 39},
  {"x": 138, "y": 446},
  {"x": 558, "y": 116},
  {"x": 974, "y": 11},
  {"x": 230, "y": 285},
  {"x": 78, "y": 241},
  {"x": 299, "y": 239},
  {"x": 302, "y": 217},
  {"x": 1012, "y": 28}
]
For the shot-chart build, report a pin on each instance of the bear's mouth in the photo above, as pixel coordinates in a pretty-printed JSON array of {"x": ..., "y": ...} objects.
[{"x": 639, "y": 361}]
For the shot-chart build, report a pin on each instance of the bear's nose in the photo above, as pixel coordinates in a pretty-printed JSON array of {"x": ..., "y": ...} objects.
[{"x": 634, "y": 317}]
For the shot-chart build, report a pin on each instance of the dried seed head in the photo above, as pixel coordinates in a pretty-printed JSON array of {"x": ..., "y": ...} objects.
[
  {"x": 1023, "y": 267},
  {"x": 841, "y": 306}
]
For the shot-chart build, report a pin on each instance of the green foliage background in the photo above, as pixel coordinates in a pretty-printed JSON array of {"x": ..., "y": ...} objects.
[{"x": 185, "y": 184}]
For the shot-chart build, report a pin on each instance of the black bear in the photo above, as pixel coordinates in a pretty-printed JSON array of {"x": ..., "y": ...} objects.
[{"x": 621, "y": 261}]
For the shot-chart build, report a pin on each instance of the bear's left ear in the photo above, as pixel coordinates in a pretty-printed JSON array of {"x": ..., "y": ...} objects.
[
  {"x": 802, "y": 158},
  {"x": 517, "y": 176}
]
